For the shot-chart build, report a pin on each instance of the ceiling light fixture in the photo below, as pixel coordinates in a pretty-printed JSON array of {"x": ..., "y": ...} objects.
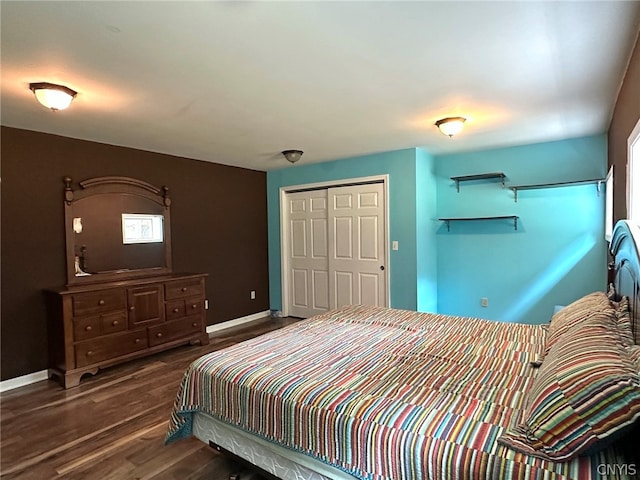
[
  {"x": 292, "y": 155},
  {"x": 55, "y": 97},
  {"x": 451, "y": 126}
]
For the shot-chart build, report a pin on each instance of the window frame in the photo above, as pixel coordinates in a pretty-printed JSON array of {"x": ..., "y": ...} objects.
[
  {"x": 608, "y": 212},
  {"x": 633, "y": 163}
]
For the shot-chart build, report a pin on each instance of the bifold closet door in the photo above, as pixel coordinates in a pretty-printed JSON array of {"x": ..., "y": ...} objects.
[
  {"x": 308, "y": 253},
  {"x": 336, "y": 248},
  {"x": 357, "y": 252}
]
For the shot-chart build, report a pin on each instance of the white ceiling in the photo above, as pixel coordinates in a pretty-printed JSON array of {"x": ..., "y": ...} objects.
[{"x": 238, "y": 82}]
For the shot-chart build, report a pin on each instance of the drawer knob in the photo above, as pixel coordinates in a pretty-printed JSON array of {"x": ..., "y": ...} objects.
[
  {"x": 184, "y": 289},
  {"x": 115, "y": 322},
  {"x": 137, "y": 340},
  {"x": 194, "y": 324},
  {"x": 159, "y": 334},
  {"x": 101, "y": 302},
  {"x": 89, "y": 353},
  {"x": 88, "y": 328},
  {"x": 176, "y": 310},
  {"x": 132, "y": 308},
  {"x": 195, "y": 305}
]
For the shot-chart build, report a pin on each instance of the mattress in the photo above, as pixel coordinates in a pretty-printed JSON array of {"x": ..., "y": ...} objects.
[
  {"x": 381, "y": 394},
  {"x": 282, "y": 462}
]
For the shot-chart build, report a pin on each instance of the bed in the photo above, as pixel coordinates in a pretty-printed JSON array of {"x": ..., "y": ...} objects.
[{"x": 386, "y": 394}]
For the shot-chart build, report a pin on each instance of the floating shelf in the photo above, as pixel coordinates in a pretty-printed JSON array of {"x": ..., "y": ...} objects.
[
  {"x": 447, "y": 221},
  {"x": 515, "y": 188},
  {"x": 479, "y": 176}
]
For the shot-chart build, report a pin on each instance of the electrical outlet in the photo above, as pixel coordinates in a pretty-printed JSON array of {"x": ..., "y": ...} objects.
[
  {"x": 253, "y": 294},
  {"x": 394, "y": 245},
  {"x": 484, "y": 301}
]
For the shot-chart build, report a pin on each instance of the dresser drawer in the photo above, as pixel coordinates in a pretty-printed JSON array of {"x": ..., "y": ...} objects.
[
  {"x": 183, "y": 306},
  {"x": 113, "y": 322},
  {"x": 174, "y": 330},
  {"x": 86, "y": 327},
  {"x": 88, "y": 303},
  {"x": 184, "y": 288},
  {"x": 174, "y": 309},
  {"x": 96, "y": 325},
  {"x": 193, "y": 305},
  {"x": 111, "y": 346}
]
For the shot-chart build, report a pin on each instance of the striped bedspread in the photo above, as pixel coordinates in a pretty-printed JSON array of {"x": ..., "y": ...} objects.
[{"x": 383, "y": 394}]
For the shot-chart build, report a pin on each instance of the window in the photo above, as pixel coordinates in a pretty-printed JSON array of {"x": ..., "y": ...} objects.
[
  {"x": 608, "y": 213},
  {"x": 633, "y": 175}
]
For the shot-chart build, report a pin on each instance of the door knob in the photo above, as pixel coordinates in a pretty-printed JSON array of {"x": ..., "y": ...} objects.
[{"x": 381, "y": 267}]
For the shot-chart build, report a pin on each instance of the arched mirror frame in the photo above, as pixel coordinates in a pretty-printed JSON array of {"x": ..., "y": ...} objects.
[{"x": 108, "y": 186}]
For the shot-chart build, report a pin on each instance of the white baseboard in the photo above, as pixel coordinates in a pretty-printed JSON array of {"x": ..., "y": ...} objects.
[
  {"x": 237, "y": 321},
  {"x": 43, "y": 375},
  {"x": 23, "y": 380}
]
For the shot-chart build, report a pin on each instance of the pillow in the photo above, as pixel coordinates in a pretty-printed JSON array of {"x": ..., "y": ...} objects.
[
  {"x": 586, "y": 393},
  {"x": 623, "y": 313},
  {"x": 583, "y": 308},
  {"x": 623, "y": 316},
  {"x": 634, "y": 354}
]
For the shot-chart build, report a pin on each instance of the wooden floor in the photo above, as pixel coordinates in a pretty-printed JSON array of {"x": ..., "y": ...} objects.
[{"x": 113, "y": 425}]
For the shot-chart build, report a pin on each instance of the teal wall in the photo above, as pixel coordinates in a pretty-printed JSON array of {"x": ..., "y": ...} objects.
[
  {"x": 401, "y": 167},
  {"x": 558, "y": 252},
  {"x": 426, "y": 251}
]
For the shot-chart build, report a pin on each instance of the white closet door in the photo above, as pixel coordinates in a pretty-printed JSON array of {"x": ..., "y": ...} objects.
[
  {"x": 308, "y": 253},
  {"x": 357, "y": 260}
]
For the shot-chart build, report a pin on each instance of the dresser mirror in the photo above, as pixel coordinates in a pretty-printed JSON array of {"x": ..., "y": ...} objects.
[{"x": 116, "y": 228}]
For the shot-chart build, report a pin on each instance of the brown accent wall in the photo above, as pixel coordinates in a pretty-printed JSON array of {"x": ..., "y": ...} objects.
[
  {"x": 218, "y": 216},
  {"x": 625, "y": 116}
]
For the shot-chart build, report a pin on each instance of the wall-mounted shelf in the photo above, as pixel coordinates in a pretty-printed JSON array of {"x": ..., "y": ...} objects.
[
  {"x": 447, "y": 221},
  {"x": 597, "y": 181},
  {"x": 479, "y": 176}
]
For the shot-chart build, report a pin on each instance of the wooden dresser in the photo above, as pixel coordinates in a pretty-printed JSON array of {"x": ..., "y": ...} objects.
[{"x": 96, "y": 325}]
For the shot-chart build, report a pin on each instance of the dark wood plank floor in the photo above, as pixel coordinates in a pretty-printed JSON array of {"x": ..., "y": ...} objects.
[{"x": 113, "y": 425}]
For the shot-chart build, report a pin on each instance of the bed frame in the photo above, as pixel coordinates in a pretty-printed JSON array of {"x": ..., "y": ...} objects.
[
  {"x": 625, "y": 275},
  {"x": 625, "y": 248}
]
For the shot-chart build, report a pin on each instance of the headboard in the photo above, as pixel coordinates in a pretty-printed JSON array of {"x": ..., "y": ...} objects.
[{"x": 625, "y": 248}]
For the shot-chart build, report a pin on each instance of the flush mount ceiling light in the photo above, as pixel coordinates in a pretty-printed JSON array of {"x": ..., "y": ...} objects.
[
  {"x": 55, "y": 97},
  {"x": 451, "y": 126},
  {"x": 292, "y": 155}
]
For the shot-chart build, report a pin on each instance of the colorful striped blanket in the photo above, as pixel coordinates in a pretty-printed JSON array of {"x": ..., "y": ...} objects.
[{"x": 382, "y": 394}]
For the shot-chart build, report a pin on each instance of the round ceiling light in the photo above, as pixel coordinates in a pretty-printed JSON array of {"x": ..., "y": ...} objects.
[
  {"x": 292, "y": 155},
  {"x": 451, "y": 125},
  {"x": 55, "y": 97}
]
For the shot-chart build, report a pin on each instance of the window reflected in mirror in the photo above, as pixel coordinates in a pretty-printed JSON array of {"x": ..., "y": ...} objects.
[{"x": 141, "y": 228}]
